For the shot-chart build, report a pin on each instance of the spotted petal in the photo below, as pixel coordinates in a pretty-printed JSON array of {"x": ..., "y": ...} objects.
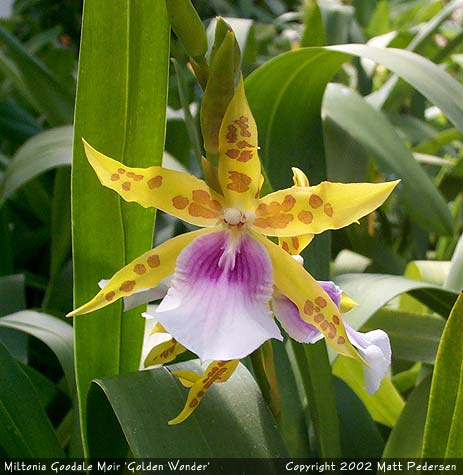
[
  {"x": 218, "y": 305},
  {"x": 314, "y": 304},
  {"x": 145, "y": 272},
  {"x": 176, "y": 193},
  {"x": 239, "y": 165},
  {"x": 300, "y": 210}
]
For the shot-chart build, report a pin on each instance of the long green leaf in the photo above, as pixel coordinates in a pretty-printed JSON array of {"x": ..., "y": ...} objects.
[
  {"x": 406, "y": 438},
  {"x": 25, "y": 430},
  {"x": 44, "y": 151},
  {"x": 372, "y": 130},
  {"x": 444, "y": 421},
  {"x": 50, "y": 96},
  {"x": 414, "y": 336},
  {"x": 232, "y": 420},
  {"x": 372, "y": 291},
  {"x": 120, "y": 109},
  {"x": 52, "y": 331}
]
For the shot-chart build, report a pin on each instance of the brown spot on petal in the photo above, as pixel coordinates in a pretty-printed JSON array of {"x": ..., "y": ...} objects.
[
  {"x": 232, "y": 134},
  {"x": 295, "y": 242},
  {"x": 315, "y": 201},
  {"x": 127, "y": 286},
  {"x": 139, "y": 269},
  {"x": 321, "y": 302},
  {"x": 331, "y": 330},
  {"x": 244, "y": 144},
  {"x": 328, "y": 210},
  {"x": 194, "y": 402},
  {"x": 199, "y": 211},
  {"x": 138, "y": 177},
  {"x": 336, "y": 319},
  {"x": 305, "y": 216},
  {"x": 201, "y": 394},
  {"x": 121, "y": 171},
  {"x": 115, "y": 177},
  {"x": 288, "y": 203},
  {"x": 232, "y": 153},
  {"x": 201, "y": 196},
  {"x": 109, "y": 296},
  {"x": 341, "y": 340},
  {"x": 245, "y": 156},
  {"x": 308, "y": 307},
  {"x": 319, "y": 318},
  {"x": 239, "y": 182},
  {"x": 130, "y": 174},
  {"x": 154, "y": 261},
  {"x": 126, "y": 186},
  {"x": 324, "y": 325},
  {"x": 155, "y": 182},
  {"x": 180, "y": 202},
  {"x": 285, "y": 246}
]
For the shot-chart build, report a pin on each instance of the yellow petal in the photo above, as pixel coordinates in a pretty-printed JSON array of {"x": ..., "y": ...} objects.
[
  {"x": 158, "y": 328},
  {"x": 239, "y": 166},
  {"x": 216, "y": 372},
  {"x": 315, "y": 306},
  {"x": 295, "y": 244},
  {"x": 347, "y": 303},
  {"x": 145, "y": 272},
  {"x": 187, "y": 378},
  {"x": 301, "y": 210},
  {"x": 299, "y": 177},
  {"x": 176, "y": 193},
  {"x": 164, "y": 352}
]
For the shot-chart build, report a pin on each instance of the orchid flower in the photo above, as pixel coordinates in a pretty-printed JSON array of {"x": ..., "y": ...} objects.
[{"x": 218, "y": 304}]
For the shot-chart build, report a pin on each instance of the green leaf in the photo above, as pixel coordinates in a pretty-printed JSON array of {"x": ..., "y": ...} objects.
[
  {"x": 314, "y": 29},
  {"x": 120, "y": 110},
  {"x": 414, "y": 336},
  {"x": 372, "y": 130},
  {"x": 233, "y": 412},
  {"x": 372, "y": 291},
  {"x": 384, "y": 405},
  {"x": 360, "y": 436},
  {"x": 406, "y": 437},
  {"x": 444, "y": 420},
  {"x": 12, "y": 297},
  {"x": 52, "y": 331},
  {"x": 434, "y": 272},
  {"x": 25, "y": 431},
  {"x": 50, "y": 96},
  {"x": 44, "y": 151}
]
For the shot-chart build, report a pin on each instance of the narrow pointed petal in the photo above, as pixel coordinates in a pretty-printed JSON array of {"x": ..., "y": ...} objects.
[
  {"x": 177, "y": 193},
  {"x": 301, "y": 210},
  {"x": 375, "y": 348},
  {"x": 144, "y": 272},
  {"x": 218, "y": 305},
  {"x": 294, "y": 245},
  {"x": 216, "y": 372},
  {"x": 142, "y": 296},
  {"x": 314, "y": 304},
  {"x": 239, "y": 165},
  {"x": 163, "y": 353}
]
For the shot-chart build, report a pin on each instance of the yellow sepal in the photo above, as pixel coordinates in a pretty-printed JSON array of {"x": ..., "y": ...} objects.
[
  {"x": 145, "y": 272},
  {"x": 176, "y": 193},
  {"x": 302, "y": 210},
  {"x": 315, "y": 306},
  {"x": 347, "y": 303},
  {"x": 295, "y": 244},
  {"x": 163, "y": 353},
  {"x": 216, "y": 372},
  {"x": 239, "y": 165}
]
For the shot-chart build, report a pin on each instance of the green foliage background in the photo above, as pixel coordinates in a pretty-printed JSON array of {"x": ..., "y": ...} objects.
[{"x": 386, "y": 104}]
